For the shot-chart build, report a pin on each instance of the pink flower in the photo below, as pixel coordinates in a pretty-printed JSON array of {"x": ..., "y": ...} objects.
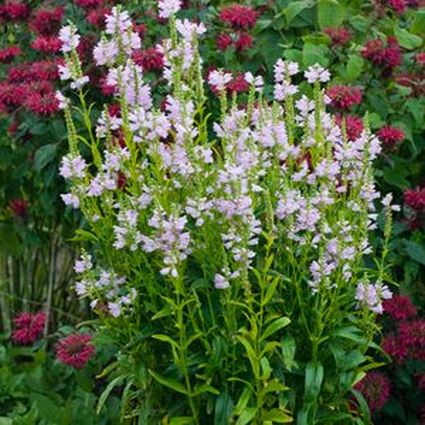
[
  {"x": 42, "y": 103},
  {"x": 9, "y": 53},
  {"x": 398, "y": 6},
  {"x": 420, "y": 58},
  {"x": 89, "y": 4},
  {"x": 96, "y": 17},
  {"x": 28, "y": 327},
  {"x": 223, "y": 41},
  {"x": 238, "y": 16},
  {"x": 344, "y": 97},
  {"x": 14, "y": 11},
  {"x": 75, "y": 350},
  {"x": 339, "y": 36},
  {"x": 376, "y": 388},
  {"x": 384, "y": 56},
  {"x": 238, "y": 84},
  {"x": 400, "y": 307},
  {"x": 390, "y": 136},
  {"x": 19, "y": 207}
]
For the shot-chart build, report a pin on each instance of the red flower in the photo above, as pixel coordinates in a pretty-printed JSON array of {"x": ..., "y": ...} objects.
[
  {"x": 344, "y": 97},
  {"x": 413, "y": 333},
  {"x": 9, "y": 53},
  {"x": 96, "y": 17},
  {"x": 385, "y": 56},
  {"x": 238, "y": 84},
  {"x": 20, "y": 73},
  {"x": 11, "y": 97},
  {"x": 121, "y": 180},
  {"x": 244, "y": 41},
  {"x": 393, "y": 347},
  {"x": 14, "y": 11},
  {"x": 420, "y": 58},
  {"x": 140, "y": 29},
  {"x": 420, "y": 379},
  {"x": 87, "y": 4},
  {"x": 47, "y": 21},
  {"x": 28, "y": 327},
  {"x": 47, "y": 44},
  {"x": 45, "y": 70},
  {"x": 353, "y": 126},
  {"x": 397, "y": 5},
  {"x": 42, "y": 103},
  {"x": 19, "y": 207},
  {"x": 238, "y": 16},
  {"x": 390, "y": 136},
  {"x": 376, "y": 388},
  {"x": 75, "y": 350},
  {"x": 223, "y": 41},
  {"x": 149, "y": 59},
  {"x": 415, "y": 198},
  {"x": 114, "y": 110},
  {"x": 400, "y": 307},
  {"x": 339, "y": 36},
  {"x": 106, "y": 89}
]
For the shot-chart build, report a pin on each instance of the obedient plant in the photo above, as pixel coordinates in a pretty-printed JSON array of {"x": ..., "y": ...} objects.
[{"x": 224, "y": 259}]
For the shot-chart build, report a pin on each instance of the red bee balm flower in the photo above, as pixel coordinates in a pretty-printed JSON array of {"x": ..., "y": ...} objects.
[
  {"x": 353, "y": 126},
  {"x": 415, "y": 198},
  {"x": 385, "y": 56},
  {"x": 87, "y": 4},
  {"x": 47, "y": 44},
  {"x": 392, "y": 345},
  {"x": 19, "y": 207},
  {"x": 344, "y": 97},
  {"x": 9, "y": 53},
  {"x": 390, "y": 136},
  {"x": 376, "y": 388},
  {"x": 244, "y": 41},
  {"x": 400, "y": 307},
  {"x": 238, "y": 84},
  {"x": 28, "y": 327},
  {"x": 149, "y": 59},
  {"x": 397, "y": 5},
  {"x": 47, "y": 21},
  {"x": 223, "y": 41},
  {"x": 339, "y": 36},
  {"x": 420, "y": 58},
  {"x": 14, "y": 11},
  {"x": 238, "y": 16},
  {"x": 42, "y": 103},
  {"x": 75, "y": 350}
]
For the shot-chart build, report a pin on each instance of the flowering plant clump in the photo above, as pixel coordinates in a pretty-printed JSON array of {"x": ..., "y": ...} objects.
[{"x": 224, "y": 259}]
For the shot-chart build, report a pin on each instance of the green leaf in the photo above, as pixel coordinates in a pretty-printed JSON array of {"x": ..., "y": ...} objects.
[
  {"x": 205, "y": 388},
  {"x": 394, "y": 178},
  {"x": 182, "y": 420},
  {"x": 278, "y": 416},
  {"x": 354, "y": 67},
  {"x": 243, "y": 401},
  {"x": 294, "y": 9},
  {"x": 223, "y": 409},
  {"x": 169, "y": 382},
  {"x": 104, "y": 396},
  {"x": 330, "y": 13},
  {"x": 406, "y": 39},
  {"x": 274, "y": 327},
  {"x": 44, "y": 156},
  {"x": 313, "y": 380},
  {"x": 288, "y": 351},
  {"x": 418, "y": 23},
  {"x": 415, "y": 251},
  {"x": 166, "y": 338},
  {"x": 246, "y": 416},
  {"x": 251, "y": 355},
  {"x": 315, "y": 53}
]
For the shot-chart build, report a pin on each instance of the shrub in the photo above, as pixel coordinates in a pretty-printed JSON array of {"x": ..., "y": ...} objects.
[{"x": 224, "y": 259}]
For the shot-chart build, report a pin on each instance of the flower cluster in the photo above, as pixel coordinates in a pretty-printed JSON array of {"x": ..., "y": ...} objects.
[
  {"x": 390, "y": 136},
  {"x": 385, "y": 55},
  {"x": 28, "y": 327},
  {"x": 376, "y": 388},
  {"x": 75, "y": 350}
]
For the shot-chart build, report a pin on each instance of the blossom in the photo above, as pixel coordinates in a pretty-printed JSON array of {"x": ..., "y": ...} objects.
[
  {"x": 400, "y": 307},
  {"x": 149, "y": 59},
  {"x": 344, "y": 97},
  {"x": 47, "y": 44},
  {"x": 415, "y": 198},
  {"x": 244, "y": 41},
  {"x": 75, "y": 350},
  {"x": 19, "y": 207},
  {"x": 73, "y": 167},
  {"x": 69, "y": 38},
  {"x": 14, "y": 11},
  {"x": 386, "y": 56},
  {"x": 218, "y": 79},
  {"x": 398, "y": 6},
  {"x": 392, "y": 345},
  {"x": 47, "y": 21},
  {"x": 28, "y": 327},
  {"x": 96, "y": 17},
  {"x": 339, "y": 36},
  {"x": 372, "y": 295},
  {"x": 42, "y": 103},
  {"x": 420, "y": 58},
  {"x": 376, "y": 389},
  {"x": 9, "y": 53},
  {"x": 223, "y": 41},
  {"x": 89, "y": 4},
  {"x": 220, "y": 282},
  {"x": 168, "y": 8},
  {"x": 390, "y": 136},
  {"x": 353, "y": 125},
  {"x": 237, "y": 84},
  {"x": 317, "y": 73},
  {"x": 239, "y": 16}
]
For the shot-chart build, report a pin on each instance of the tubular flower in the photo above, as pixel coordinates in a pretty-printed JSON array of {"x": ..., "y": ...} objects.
[
  {"x": 28, "y": 327},
  {"x": 75, "y": 350}
]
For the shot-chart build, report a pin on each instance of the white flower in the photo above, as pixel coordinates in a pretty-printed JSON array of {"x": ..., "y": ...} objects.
[
  {"x": 317, "y": 73},
  {"x": 219, "y": 79},
  {"x": 168, "y": 8}
]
